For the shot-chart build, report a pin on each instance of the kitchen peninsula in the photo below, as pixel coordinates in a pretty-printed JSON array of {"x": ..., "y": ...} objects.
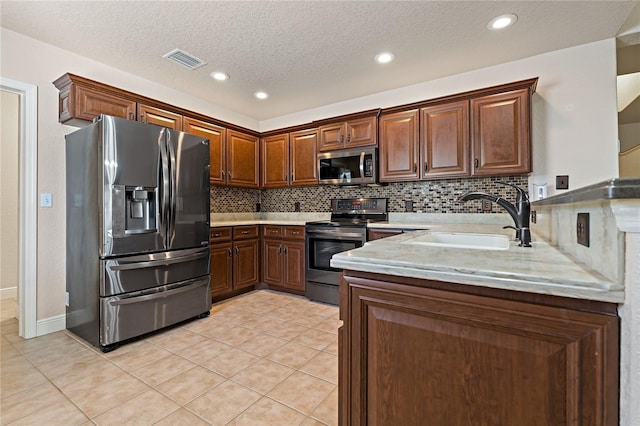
[{"x": 515, "y": 336}]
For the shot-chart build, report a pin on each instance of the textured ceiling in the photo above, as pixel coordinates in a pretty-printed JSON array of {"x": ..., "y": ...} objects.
[{"x": 306, "y": 54}]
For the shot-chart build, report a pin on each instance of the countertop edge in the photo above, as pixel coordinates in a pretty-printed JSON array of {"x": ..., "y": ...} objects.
[{"x": 612, "y": 189}]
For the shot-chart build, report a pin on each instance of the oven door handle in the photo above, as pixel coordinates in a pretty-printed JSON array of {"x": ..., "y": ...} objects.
[{"x": 336, "y": 234}]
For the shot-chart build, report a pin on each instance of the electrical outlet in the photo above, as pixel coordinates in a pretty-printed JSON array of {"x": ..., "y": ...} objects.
[
  {"x": 257, "y": 207},
  {"x": 46, "y": 199},
  {"x": 486, "y": 205},
  {"x": 296, "y": 206},
  {"x": 408, "y": 206},
  {"x": 582, "y": 229},
  {"x": 533, "y": 216},
  {"x": 562, "y": 182}
]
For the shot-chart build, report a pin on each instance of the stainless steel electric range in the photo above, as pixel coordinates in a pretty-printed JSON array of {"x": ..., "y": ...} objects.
[{"x": 346, "y": 230}]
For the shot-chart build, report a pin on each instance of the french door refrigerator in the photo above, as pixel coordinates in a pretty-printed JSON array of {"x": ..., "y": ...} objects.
[{"x": 137, "y": 230}]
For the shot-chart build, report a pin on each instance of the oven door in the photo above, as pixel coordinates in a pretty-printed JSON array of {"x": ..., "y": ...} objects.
[{"x": 322, "y": 244}]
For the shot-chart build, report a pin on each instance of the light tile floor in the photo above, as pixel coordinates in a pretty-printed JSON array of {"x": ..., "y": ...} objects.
[{"x": 263, "y": 358}]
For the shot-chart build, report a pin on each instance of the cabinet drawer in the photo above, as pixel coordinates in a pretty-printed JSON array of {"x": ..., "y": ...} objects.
[
  {"x": 294, "y": 232},
  {"x": 244, "y": 232},
  {"x": 220, "y": 234},
  {"x": 272, "y": 231}
]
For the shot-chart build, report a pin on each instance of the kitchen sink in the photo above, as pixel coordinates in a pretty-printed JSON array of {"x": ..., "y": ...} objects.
[{"x": 461, "y": 240}]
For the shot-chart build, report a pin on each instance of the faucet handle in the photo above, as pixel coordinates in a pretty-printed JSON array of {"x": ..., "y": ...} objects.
[{"x": 522, "y": 194}]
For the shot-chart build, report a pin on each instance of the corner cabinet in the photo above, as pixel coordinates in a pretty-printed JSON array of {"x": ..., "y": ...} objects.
[
  {"x": 413, "y": 349},
  {"x": 500, "y": 128}
]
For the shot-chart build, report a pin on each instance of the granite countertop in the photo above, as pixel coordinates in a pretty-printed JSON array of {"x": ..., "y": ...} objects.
[{"x": 538, "y": 269}]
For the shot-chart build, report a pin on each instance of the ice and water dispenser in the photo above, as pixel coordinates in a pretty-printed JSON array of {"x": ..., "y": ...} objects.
[{"x": 140, "y": 210}]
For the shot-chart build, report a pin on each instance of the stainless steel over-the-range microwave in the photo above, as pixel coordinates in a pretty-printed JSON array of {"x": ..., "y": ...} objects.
[{"x": 348, "y": 167}]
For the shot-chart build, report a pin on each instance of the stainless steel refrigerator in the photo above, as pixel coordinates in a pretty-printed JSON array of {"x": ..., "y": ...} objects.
[{"x": 137, "y": 230}]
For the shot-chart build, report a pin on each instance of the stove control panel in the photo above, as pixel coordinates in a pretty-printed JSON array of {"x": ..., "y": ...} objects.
[{"x": 359, "y": 205}]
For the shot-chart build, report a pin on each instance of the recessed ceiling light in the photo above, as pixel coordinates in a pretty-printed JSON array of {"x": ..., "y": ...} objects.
[
  {"x": 220, "y": 76},
  {"x": 261, "y": 95},
  {"x": 384, "y": 57},
  {"x": 502, "y": 21}
]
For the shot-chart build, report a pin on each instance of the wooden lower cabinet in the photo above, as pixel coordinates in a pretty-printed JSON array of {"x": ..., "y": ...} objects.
[
  {"x": 235, "y": 259},
  {"x": 378, "y": 233},
  {"x": 414, "y": 352},
  {"x": 283, "y": 256}
]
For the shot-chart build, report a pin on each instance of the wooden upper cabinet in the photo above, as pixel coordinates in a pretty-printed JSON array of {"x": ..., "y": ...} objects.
[
  {"x": 78, "y": 101},
  {"x": 445, "y": 140},
  {"x": 243, "y": 158},
  {"x": 160, "y": 117},
  {"x": 275, "y": 161},
  {"x": 500, "y": 130},
  {"x": 303, "y": 164},
  {"x": 348, "y": 134},
  {"x": 217, "y": 139},
  {"x": 399, "y": 142}
]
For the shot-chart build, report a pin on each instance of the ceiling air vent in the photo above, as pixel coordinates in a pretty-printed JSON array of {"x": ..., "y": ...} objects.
[{"x": 185, "y": 59}]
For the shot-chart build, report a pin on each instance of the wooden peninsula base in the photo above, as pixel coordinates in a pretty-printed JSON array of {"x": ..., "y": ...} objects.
[{"x": 419, "y": 352}]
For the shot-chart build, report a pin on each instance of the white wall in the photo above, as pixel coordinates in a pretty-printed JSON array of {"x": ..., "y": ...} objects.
[
  {"x": 574, "y": 129},
  {"x": 9, "y": 185}
]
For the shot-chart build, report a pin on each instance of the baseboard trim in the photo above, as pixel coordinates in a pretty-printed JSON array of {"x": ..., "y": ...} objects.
[
  {"x": 9, "y": 293},
  {"x": 51, "y": 325}
]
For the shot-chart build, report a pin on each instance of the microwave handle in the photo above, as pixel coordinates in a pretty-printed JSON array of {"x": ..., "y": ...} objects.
[{"x": 362, "y": 165}]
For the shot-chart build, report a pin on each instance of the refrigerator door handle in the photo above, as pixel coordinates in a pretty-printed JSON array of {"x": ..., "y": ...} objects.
[
  {"x": 155, "y": 295},
  {"x": 165, "y": 181},
  {"x": 160, "y": 262},
  {"x": 173, "y": 189}
]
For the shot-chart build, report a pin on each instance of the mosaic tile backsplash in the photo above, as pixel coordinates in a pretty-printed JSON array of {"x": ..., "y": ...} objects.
[{"x": 438, "y": 196}]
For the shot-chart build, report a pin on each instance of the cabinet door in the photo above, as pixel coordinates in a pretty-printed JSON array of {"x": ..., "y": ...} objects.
[
  {"x": 303, "y": 158},
  {"x": 399, "y": 146},
  {"x": 362, "y": 132},
  {"x": 216, "y": 136},
  {"x": 293, "y": 268},
  {"x": 500, "y": 131},
  {"x": 90, "y": 103},
  {"x": 272, "y": 261},
  {"x": 246, "y": 269},
  {"x": 419, "y": 353},
  {"x": 445, "y": 140},
  {"x": 275, "y": 161},
  {"x": 160, "y": 117},
  {"x": 376, "y": 234},
  {"x": 332, "y": 136},
  {"x": 242, "y": 159},
  {"x": 221, "y": 268}
]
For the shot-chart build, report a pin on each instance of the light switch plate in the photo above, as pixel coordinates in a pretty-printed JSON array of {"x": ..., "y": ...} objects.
[{"x": 46, "y": 199}]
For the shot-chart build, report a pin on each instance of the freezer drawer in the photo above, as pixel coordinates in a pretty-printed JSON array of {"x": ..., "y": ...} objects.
[
  {"x": 134, "y": 273},
  {"x": 134, "y": 314}
]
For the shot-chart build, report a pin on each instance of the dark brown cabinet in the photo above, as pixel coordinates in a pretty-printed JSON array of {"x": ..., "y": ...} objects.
[
  {"x": 412, "y": 350},
  {"x": 500, "y": 129},
  {"x": 160, "y": 117},
  {"x": 378, "y": 233},
  {"x": 444, "y": 131},
  {"x": 289, "y": 159},
  {"x": 242, "y": 160},
  {"x": 221, "y": 261},
  {"x": 283, "y": 259},
  {"x": 348, "y": 134},
  {"x": 399, "y": 146},
  {"x": 217, "y": 141},
  {"x": 235, "y": 259},
  {"x": 82, "y": 99}
]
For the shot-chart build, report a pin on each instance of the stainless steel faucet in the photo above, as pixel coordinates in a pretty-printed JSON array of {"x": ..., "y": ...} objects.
[{"x": 519, "y": 213}]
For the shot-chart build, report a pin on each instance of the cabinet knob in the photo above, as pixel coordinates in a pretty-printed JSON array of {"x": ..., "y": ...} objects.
[
  {"x": 131, "y": 116},
  {"x": 229, "y": 252},
  {"x": 216, "y": 235},
  {"x": 222, "y": 174},
  {"x": 237, "y": 251},
  {"x": 285, "y": 250},
  {"x": 475, "y": 163},
  {"x": 349, "y": 138},
  {"x": 426, "y": 167},
  {"x": 415, "y": 167},
  {"x": 295, "y": 232},
  {"x": 245, "y": 232},
  {"x": 143, "y": 119},
  {"x": 291, "y": 177},
  {"x": 229, "y": 173}
]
